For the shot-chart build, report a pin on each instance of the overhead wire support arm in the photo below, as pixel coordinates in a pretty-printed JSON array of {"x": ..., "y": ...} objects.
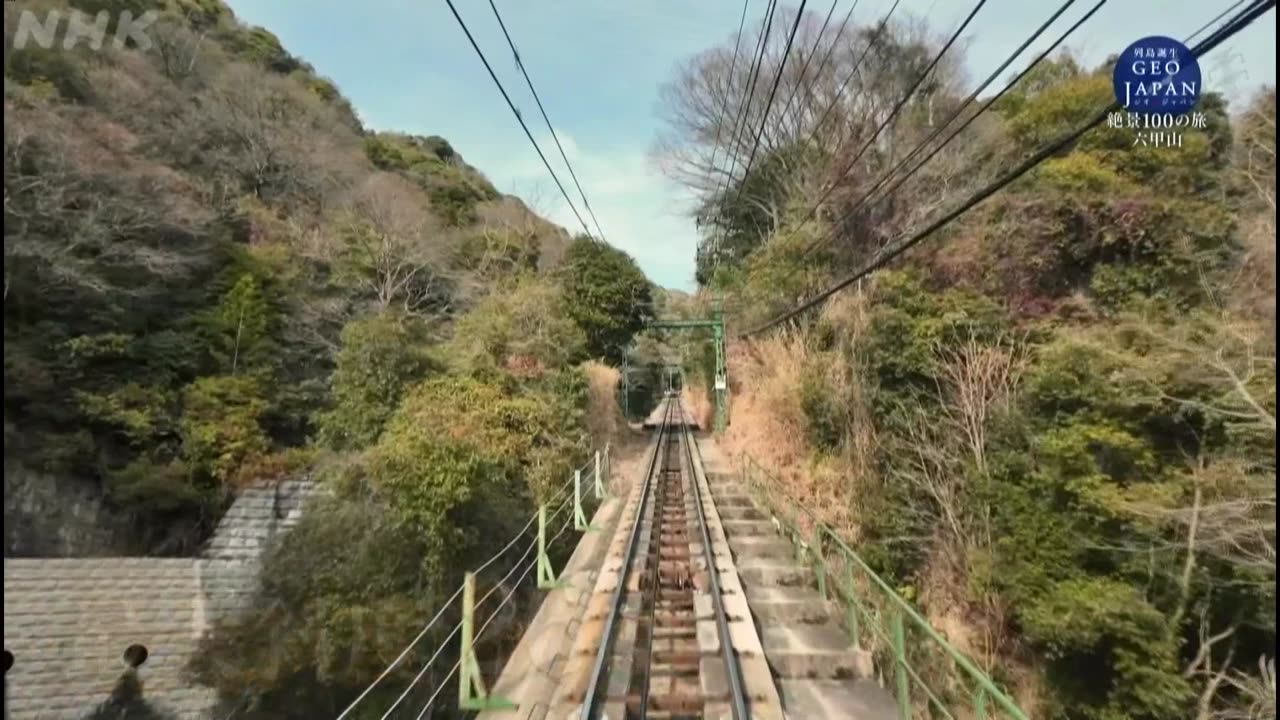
[{"x": 516, "y": 112}]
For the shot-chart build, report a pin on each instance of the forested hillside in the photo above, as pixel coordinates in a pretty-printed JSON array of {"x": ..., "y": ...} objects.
[
  {"x": 1052, "y": 424},
  {"x": 215, "y": 276}
]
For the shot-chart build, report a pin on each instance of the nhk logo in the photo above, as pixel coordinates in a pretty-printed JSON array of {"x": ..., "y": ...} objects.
[{"x": 68, "y": 30}]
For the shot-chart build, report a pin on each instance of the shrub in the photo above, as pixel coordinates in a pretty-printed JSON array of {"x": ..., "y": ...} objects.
[
  {"x": 220, "y": 424},
  {"x": 380, "y": 357},
  {"x": 524, "y": 329},
  {"x": 606, "y": 294}
]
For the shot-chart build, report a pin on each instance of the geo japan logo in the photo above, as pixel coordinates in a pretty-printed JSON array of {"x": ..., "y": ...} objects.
[{"x": 1157, "y": 75}]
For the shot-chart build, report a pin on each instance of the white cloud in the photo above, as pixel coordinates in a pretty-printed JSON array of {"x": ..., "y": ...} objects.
[{"x": 638, "y": 209}]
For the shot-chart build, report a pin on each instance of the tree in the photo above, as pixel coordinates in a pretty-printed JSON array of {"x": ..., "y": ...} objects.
[
  {"x": 521, "y": 329},
  {"x": 241, "y": 326},
  {"x": 380, "y": 357},
  {"x": 389, "y": 246},
  {"x": 606, "y": 294},
  {"x": 220, "y": 424}
]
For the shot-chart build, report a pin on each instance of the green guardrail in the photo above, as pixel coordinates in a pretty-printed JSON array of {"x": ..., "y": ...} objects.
[{"x": 900, "y": 636}]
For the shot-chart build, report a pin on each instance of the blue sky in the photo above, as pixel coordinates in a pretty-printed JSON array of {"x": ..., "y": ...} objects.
[{"x": 598, "y": 66}]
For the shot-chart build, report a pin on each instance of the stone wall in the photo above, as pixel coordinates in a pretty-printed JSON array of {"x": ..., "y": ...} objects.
[
  {"x": 55, "y": 516},
  {"x": 68, "y": 621}
]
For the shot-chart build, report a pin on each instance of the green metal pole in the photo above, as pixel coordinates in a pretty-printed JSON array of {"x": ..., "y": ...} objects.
[
  {"x": 900, "y": 665},
  {"x": 721, "y": 377},
  {"x": 854, "y": 630},
  {"x": 820, "y": 562},
  {"x": 546, "y": 574},
  {"x": 599, "y": 485},
  {"x": 469, "y": 678},
  {"x": 472, "y": 694},
  {"x": 579, "y": 515}
]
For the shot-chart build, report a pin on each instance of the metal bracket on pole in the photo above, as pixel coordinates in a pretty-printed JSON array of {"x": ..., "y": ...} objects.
[
  {"x": 472, "y": 694},
  {"x": 546, "y": 575},
  {"x": 579, "y": 515}
]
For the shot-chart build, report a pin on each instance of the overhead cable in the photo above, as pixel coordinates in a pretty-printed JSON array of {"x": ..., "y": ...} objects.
[
  {"x": 777, "y": 79},
  {"x": 1242, "y": 20},
  {"x": 554, "y": 136},
  {"x": 516, "y": 112}
]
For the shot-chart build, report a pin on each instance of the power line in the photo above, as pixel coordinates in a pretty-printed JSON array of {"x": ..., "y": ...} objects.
[
  {"x": 740, "y": 124},
  {"x": 1238, "y": 23},
  {"x": 825, "y": 57},
  {"x": 897, "y": 107},
  {"x": 777, "y": 79},
  {"x": 995, "y": 98},
  {"x": 875, "y": 38},
  {"x": 960, "y": 108},
  {"x": 516, "y": 111},
  {"x": 524, "y": 71},
  {"x": 955, "y": 133},
  {"x": 724, "y": 108},
  {"x": 817, "y": 44}
]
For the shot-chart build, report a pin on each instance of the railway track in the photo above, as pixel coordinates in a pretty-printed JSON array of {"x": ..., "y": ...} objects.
[{"x": 651, "y": 662}]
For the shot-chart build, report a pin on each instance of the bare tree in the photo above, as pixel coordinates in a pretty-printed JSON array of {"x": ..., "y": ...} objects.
[
  {"x": 267, "y": 136},
  {"x": 82, "y": 214},
  {"x": 388, "y": 244}
]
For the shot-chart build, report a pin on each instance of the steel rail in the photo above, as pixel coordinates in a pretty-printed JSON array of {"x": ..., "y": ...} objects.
[
  {"x": 655, "y": 577},
  {"x": 737, "y": 693},
  {"x": 597, "y": 685}
]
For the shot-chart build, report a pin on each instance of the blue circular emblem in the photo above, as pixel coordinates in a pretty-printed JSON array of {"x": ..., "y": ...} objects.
[{"x": 1157, "y": 75}]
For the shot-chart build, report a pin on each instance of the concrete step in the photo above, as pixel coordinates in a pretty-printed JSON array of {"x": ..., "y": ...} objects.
[
  {"x": 732, "y": 499},
  {"x": 788, "y": 605},
  {"x": 737, "y": 528},
  {"x": 771, "y": 572},
  {"x": 820, "y": 651},
  {"x": 763, "y": 546},
  {"x": 826, "y": 699},
  {"x": 741, "y": 513}
]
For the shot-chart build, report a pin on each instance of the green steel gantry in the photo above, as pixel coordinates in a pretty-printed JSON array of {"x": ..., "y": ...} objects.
[{"x": 721, "y": 381}]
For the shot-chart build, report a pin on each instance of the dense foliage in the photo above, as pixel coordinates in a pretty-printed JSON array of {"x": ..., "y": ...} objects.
[
  {"x": 607, "y": 296},
  {"x": 216, "y": 277},
  {"x": 1053, "y": 426}
]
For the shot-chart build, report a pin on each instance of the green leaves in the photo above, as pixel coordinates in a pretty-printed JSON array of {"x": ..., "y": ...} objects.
[
  {"x": 220, "y": 423},
  {"x": 240, "y": 327},
  {"x": 606, "y": 294},
  {"x": 381, "y": 356},
  {"x": 1115, "y": 650},
  {"x": 522, "y": 329}
]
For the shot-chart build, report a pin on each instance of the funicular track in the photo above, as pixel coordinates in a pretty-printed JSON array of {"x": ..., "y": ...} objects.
[{"x": 657, "y": 672}]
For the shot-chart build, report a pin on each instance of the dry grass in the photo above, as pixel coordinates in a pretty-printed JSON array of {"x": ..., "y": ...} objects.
[
  {"x": 604, "y": 419},
  {"x": 697, "y": 401},
  {"x": 768, "y": 421}
]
